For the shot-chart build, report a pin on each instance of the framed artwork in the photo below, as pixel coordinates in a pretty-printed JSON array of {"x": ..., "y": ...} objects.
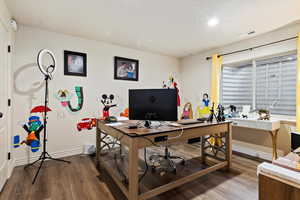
[
  {"x": 126, "y": 69},
  {"x": 75, "y": 63}
]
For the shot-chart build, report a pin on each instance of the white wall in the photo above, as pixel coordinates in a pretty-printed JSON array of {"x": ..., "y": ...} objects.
[
  {"x": 63, "y": 137},
  {"x": 196, "y": 70},
  {"x": 196, "y": 74}
]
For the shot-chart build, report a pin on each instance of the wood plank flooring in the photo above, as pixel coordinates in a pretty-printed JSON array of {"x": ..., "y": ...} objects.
[{"x": 80, "y": 181}]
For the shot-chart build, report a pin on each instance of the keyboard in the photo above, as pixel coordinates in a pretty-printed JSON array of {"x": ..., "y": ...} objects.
[{"x": 191, "y": 121}]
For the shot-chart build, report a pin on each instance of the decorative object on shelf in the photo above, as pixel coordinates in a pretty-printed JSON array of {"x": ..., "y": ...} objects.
[
  {"x": 171, "y": 83},
  {"x": 221, "y": 116},
  {"x": 126, "y": 69},
  {"x": 187, "y": 112},
  {"x": 212, "y": 114},
  {"x": 264, "y": 114},
  {"x": 79, "y": 94},
  {"x": 86, "y": 123},
  {"x": 75, "y": 63},
  {"x": 232, "y": 113},
  {"x": 107, "y": 102},
  {"x": 125, "y": 113}
]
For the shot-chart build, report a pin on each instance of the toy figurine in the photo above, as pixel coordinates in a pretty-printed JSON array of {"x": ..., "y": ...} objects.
[
  {"x": 204, "y": 110},
  {"x": 187, "y": 112},
  {"x": 171, "y": 83},
  {"x": 107, "y": 102},
  {"x": 263, "y": 114},
  {"x": 33, "y": 128},
  {"x": 220, "y": 116}
]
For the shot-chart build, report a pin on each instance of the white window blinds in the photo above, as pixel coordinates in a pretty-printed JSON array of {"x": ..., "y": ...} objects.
[
  {"x": 276, "y": 85},
  {"x": 272, "y": 82},
  {"x": 236, "y": 85}
]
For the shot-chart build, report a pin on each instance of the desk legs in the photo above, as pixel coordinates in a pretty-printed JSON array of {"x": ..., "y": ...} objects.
[
  {"x": 203, "y": 154},
  {"x": 133, "y": 175},
  {"x": 98, "y": 147},
  {"x": 273, "y": 135},
  {"x": 228, "y": 141}
]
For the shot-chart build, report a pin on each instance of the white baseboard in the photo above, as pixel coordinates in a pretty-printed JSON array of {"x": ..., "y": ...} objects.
[
  {"x": 57, "y": 154},
  {"x": 254, "y": 150}
]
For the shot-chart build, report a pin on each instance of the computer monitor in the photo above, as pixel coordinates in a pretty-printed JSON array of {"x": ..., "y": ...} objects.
[{"x": 153, "y": 104}]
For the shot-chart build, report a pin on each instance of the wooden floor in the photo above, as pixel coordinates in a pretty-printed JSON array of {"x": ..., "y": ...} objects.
[{"x": 81, "y": 181}]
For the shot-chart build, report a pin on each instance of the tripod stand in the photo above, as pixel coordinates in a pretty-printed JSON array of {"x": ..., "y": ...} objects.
[{"x": 45, "y": 155}]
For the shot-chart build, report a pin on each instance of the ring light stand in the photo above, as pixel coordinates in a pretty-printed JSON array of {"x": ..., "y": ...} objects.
[{"x": 48, "y": 73}]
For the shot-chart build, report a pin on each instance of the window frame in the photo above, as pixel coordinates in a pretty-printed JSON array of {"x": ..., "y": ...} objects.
[{"x": 254, "y": 68}]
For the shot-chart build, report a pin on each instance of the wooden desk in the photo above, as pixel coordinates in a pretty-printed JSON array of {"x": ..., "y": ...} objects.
[
  {"x": 136, "y": 139},
  {"x": 267, "y": 126}
]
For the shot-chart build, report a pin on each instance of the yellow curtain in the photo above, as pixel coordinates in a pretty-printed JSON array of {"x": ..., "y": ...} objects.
[
  {"x": 215, "y": 140},
  {"x": 298, "y": 87},
  {"x": 215, "y": 79}
]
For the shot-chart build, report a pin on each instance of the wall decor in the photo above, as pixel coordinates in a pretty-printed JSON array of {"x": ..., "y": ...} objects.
[
  {"x": 65, "y": 96},
  {"x": 86, "y": 123},
  {"x": 126, "y": 69},
  {"x": 75, "y": 63},
  {"x": 79, "y": 94}
]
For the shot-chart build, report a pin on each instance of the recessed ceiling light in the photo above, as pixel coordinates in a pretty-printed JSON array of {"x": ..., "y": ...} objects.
[{"x": 213, "y": 22}]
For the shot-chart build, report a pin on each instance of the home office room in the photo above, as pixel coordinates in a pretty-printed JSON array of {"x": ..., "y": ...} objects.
[{"x": 136, "y": 99}]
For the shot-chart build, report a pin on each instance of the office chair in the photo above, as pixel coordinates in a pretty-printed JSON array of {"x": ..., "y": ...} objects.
[{"x": 165, "y": 163}]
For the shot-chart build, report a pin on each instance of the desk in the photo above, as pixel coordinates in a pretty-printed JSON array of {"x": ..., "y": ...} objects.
[
  {"x": 267, "y": 126},
  {"x": 135, "y": 139}
]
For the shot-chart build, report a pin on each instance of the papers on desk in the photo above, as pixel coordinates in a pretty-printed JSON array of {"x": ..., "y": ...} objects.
[{"x": 115, "y": 124}]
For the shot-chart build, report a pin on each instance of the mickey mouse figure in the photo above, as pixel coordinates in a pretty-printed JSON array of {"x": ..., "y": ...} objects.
[{"x": 107, "y": 101}]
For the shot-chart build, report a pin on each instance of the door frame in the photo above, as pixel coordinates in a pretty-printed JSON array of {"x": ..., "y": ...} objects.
[{"x": 8, "y": 92}]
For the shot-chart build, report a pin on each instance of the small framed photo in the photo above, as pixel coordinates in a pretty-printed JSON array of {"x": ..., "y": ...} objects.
[
  {"x": 75, "y": 63},
  {"x": 126, "y": 69}
]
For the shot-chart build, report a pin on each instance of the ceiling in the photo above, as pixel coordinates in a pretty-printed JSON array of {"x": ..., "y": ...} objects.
[{"x": 171, "y": 27}]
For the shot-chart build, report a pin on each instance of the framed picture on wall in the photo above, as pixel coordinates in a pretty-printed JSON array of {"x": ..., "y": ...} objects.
[
  {"x": 75, "y": 63},
  {"x": 126, "y": 69}
]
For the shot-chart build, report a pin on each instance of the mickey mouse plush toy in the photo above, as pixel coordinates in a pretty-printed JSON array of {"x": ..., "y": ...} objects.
[{"x": 107, "y": 101}]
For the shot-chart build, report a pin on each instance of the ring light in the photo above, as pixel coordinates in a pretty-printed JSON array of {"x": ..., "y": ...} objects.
[{"x": 49, "y": 71}]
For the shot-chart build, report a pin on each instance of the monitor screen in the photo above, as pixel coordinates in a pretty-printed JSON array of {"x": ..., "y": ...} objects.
[{"x": 153, "y": 104}]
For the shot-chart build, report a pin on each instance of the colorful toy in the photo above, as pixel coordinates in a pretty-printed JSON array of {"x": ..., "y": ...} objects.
[
  {"x": 16, "y": 141},
  {"x": 125, "y": 113},
  {"x": 64, "y": 96},
  {"x": 33, "y": 128},
  {"x": 79, "y": 93},
  {"x": 86, "y": 123},
  {"x": 203, "y": 111},
  {"x": 187, "y": 112},
  {"x": 108, "y": 103},
  {"x": 170, "y": 83}
]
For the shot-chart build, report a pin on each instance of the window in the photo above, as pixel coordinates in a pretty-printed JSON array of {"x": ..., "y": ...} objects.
[
  {"x": 236, "y": 85},
  {"x": 267, "y": 84},
  {"x": 276, "y": 85}
]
